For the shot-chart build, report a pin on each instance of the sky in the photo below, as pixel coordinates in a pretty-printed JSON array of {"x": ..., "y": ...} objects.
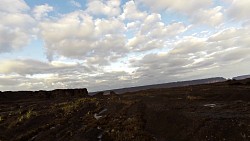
[{"x": 107, "y": 44}]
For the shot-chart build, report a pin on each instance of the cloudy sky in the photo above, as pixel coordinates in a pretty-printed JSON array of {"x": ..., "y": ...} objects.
[{"x": 104, "y": 44}]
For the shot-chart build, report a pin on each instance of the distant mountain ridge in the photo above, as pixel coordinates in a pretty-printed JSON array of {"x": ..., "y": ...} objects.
[
  {"x": 167, "y": 85},
  {"x": 241, "y": 77}
]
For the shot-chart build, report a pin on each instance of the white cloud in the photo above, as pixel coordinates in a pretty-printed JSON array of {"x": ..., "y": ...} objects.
[
  {"x": 100, "y": 7},
  {"x": 225, "y": 34},
  {"x": 42, "y": 11},
  {"x": 192, "y": 58},
  {"x": 153, "y": 33},
  {"x": 12, "y": 39},
  {"x": 78, "y": 35},
  {"x": 13, "y": 6},
  {"x": 75, "y": 3},
  {"x": 155, "y": 37},
  {"x": 212, "y": 17},
  {"x": 16, "y": 25},
  {"x": 131, "y": 12},
  {"x": 220, "y": 54},
  {"x": 153, "y": 26},
  {"x": 133, "y": 25},
  {"x": 232, "y": 37},
  {"x": 198, "y": 11},
  {"x": 239, "y": 10},
  {"x": 177, "y": 5}
]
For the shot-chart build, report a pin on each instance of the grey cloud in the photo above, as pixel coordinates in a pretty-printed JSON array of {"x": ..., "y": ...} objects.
[
  {"x": 9, "y": 82},
  {"x": 189, "y": 45},
  {"x": 239, "y": 10},
  {"x": 193, "y": 57},
  {"x": 36, "y": 75},
  {"x": 109, "y": 80},
  {"x": 233, "y": 55},
  {"x": 29, "y": 66}
]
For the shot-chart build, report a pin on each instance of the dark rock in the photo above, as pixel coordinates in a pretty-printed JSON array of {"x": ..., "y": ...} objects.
[
  {"x": 69, "y": 93},
  {"x": 234, "y": 82},
  {"x": 58, "y": 93},
  {"x": 99, "y": 94}
]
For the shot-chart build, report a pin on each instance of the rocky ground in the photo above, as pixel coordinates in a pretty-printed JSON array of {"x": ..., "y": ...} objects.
[{"x": 212, "y": 112}]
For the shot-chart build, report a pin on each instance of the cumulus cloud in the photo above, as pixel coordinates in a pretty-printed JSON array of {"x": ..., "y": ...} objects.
[
  {"x": 42, "y": 11},
  {"x": 15, "y": 25},
  {"x": 77, "y": 35},
  {"x": 100, "y": 7},
  {"x": 198, "y": 12},
  {"x": 153, "y": 33},
  {"x": 75, "y": 3},
  {"x": 131, "y": 12},
  {"x": 212, "y": 17},
  {"x": 194, "y": 56},
  {"x": 12, "y": 39}
]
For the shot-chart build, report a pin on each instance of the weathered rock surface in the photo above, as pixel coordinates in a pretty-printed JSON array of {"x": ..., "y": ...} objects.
[{"x": 211, "y": 112}]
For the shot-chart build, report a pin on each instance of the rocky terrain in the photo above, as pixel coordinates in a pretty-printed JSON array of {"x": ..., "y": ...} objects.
[{"x": 208, "y": 112}]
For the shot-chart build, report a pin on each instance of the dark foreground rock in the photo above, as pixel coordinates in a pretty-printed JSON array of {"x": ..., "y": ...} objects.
[
  {"x": 213, "y": 112},
  {"x": 58, "y": 93}
]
